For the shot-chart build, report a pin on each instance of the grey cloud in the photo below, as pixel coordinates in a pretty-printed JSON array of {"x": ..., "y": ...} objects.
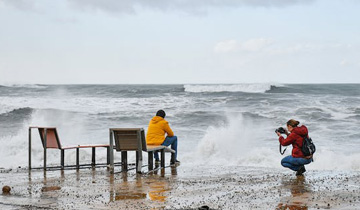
[
  {"x": 20, "y": 4},
  {"x": 131, "y": 6},
  {"x": 187, "y": 6},
  {"x": 112, "y": 6}
]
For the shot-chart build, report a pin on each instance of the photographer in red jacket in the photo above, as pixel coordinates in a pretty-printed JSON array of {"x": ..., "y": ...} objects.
[{"x": 296, "y": 160}]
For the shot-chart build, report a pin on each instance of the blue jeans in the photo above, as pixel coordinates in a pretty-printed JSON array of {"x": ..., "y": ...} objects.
[
  {"x": 168, "y": 141},
  {"x": 294, "y": 163}
]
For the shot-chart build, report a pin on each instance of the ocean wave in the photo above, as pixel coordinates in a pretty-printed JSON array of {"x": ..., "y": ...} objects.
[
  {"x": 247, "y": 88},
  {"x": 19, "y": 112},
  {"x": 34, "y": 86},
  {"x": 357, "y": 111},
  {"x": 12, "y": 121}
]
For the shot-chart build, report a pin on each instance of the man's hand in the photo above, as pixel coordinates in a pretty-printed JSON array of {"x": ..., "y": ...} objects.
[{"x": 278, "y": 133}]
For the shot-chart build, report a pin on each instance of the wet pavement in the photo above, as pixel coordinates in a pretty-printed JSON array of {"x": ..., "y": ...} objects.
[{"x": 180, "y": 187}]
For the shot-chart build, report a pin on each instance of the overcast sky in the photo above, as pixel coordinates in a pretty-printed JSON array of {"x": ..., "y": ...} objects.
[{"x": 179, "y": 41}]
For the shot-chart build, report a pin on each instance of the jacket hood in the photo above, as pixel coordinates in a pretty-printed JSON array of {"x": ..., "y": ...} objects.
[
  {"x": 157, "y": 119},
  {"x": 301, "y": 131}
]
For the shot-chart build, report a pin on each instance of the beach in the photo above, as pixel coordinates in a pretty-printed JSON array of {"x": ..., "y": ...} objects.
[{"x": 180, "y": 187}]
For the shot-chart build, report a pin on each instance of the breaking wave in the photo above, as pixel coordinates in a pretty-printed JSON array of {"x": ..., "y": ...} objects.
[
  {"x": 247, "y": 88},
  {"x": 17, "y": 113},
  {"x": 35, "y": 86}
]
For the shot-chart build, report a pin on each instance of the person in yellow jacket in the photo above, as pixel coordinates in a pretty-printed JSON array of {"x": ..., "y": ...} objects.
[{"x": 157, "y": 129}]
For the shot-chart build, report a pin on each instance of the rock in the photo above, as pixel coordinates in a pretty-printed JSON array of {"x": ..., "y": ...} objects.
[{"x": 6, "y": 189}]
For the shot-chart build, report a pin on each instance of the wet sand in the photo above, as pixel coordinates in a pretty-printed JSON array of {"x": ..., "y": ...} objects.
[{"x": 180, "y": 187}]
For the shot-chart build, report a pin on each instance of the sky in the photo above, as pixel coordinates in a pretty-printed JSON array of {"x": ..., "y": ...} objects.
[{"x": 179, "y": 41}]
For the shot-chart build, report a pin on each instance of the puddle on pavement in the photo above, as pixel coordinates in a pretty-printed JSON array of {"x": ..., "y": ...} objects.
[
  {"x": 152, "y": 187},
  {"x": 52, "y": 188},
  {"x": 158, "y": 191},
  {"x": 300, "y": 194},
  {"x": 127, "y": 195},
  {"x": 154, "y": 190}
]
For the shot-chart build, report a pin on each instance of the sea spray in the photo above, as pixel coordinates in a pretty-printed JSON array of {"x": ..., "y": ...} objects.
[
  {"x": 233, "y": 138},
  {"x": 237, "y": 142}
]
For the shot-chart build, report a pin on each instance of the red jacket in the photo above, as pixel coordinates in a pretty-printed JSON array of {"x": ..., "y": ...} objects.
[{"x": 295, "y": 138}]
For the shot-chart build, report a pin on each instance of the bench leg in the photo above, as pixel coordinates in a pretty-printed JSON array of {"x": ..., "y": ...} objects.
[
  {"x": 124, "y": 164},
  {"x": 162, "y": 164},
  {"x": 173, "y": 158},
  {"x": 150, "y": 161},
  {"x": 111, "y": 152},
  {"x": 77, "y": 158},
  {"x": 93, "y": 157},
  {"x": 45, "y": 159},
  {"x": 108, "y": 155},
  {"x": 29, "y": 148},
  {"x": 62, "y": 162},
  {"x": 137, "y": 162},
  {"x": 45, "y": 146}
]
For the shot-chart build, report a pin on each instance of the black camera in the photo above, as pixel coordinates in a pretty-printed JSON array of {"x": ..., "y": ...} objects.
[{"x": 280, "y": 130}]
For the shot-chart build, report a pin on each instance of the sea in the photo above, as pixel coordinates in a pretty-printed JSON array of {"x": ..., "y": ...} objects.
[{"x": 216, "y": 124}]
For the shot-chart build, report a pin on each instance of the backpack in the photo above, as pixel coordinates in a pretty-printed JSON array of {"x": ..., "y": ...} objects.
[{"x": 308, "y": 148}]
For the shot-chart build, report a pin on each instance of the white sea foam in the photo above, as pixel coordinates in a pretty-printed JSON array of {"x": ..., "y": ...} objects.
[
  {"x": 326, "y": 159},
  {"x": 249, "y": 88},
  {"x": 93, "y": 105},
  {"x": 76, "y": 104}
]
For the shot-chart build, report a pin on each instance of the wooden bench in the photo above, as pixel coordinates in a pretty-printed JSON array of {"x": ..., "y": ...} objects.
[
  {"x": 50, "y": 140},
  {"x": 133, "y": 139}
]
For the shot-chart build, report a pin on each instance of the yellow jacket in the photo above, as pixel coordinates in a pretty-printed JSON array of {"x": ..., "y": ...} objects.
[{"x": 158, "y": 126}]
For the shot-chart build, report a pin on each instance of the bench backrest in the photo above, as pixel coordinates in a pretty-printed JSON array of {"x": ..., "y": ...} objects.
[
  {"x": 52, "y": 138},
  {"x": 129, "y": 139}
]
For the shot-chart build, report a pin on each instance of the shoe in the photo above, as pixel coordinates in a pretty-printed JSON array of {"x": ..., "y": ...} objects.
[
  {"x": 300, "y": 171},
  {"x": 176, "y": 161}
]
